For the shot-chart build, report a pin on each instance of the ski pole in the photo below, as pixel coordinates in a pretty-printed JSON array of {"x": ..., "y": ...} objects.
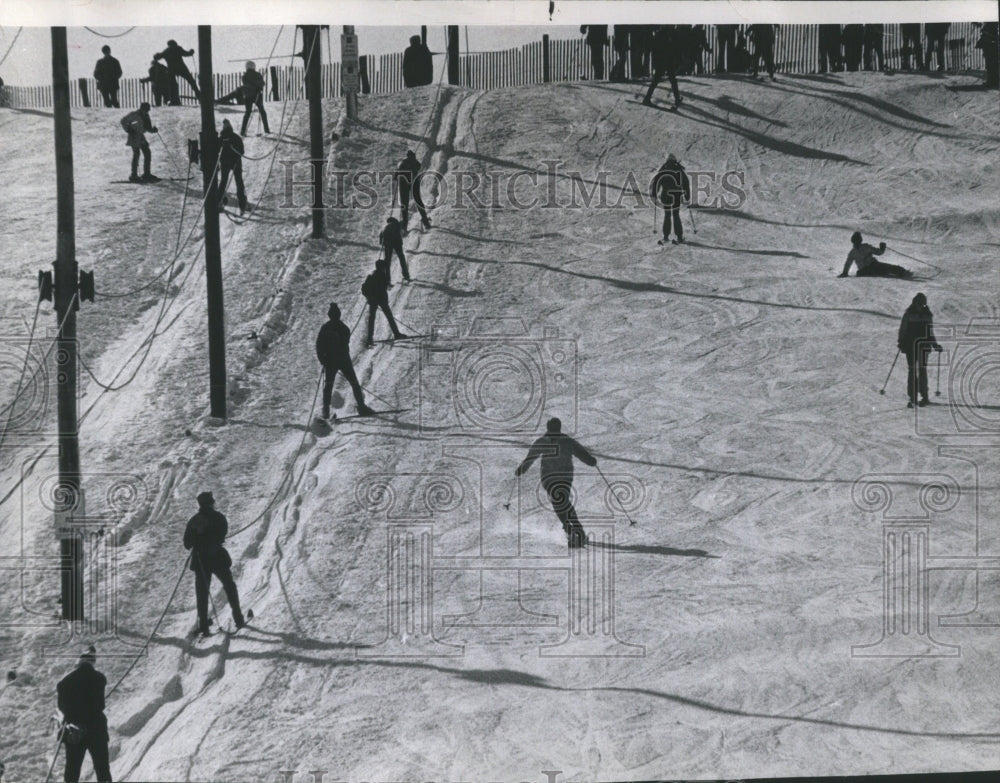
[
  {"x": 938, "y": 392},
  {"x": 55, "y": 758},
  {"x": 654, "y": 218},
  {"x": 882, "y": 390},
  {"x": 615, "y": 493},
  {"x": 691, "y": 215}
]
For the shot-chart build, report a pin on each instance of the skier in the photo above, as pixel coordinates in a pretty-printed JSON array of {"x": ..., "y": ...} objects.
[
  {"x": 418, "y": 63},
  {"x": 672, "y": 187},
  {"x": 231, "y": 160},
  {"x": 557, "y": 451},
  {"x": 911, "y": 43},
  {"x": 159, "y": 80},
  {"x": 392, "y": 240},
  {"x": 915, "y": 340},
  {"x": 375, "y": 290},
  {"x": 135, "y": 124},
  {"x": 107, "y": 72},
  {"x": 597, "y": 39},
  {"x": 666, "y": 60},
  {"x": 640, "y": 41},
  {"x": 334, "y": 352},
  {"x": 204, "y": 535},
  {"x": 85, "y": 726},
  {"x": 253, "y": 86},
  {"x": 989, "y": 40},
  {"x": 174, "y": 56},
  {"x": 864, "y": 256},
  {"x": 407, "y": 180},
  {"x": 763, "y": 48},
  {"x": 936, "y": 32}
]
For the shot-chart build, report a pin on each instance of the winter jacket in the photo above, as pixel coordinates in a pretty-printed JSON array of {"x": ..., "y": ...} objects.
[
  {"x": 135, "y": 124},
  {"x": 391, "y": 236},
  {"x": 81, "y": 699},
  {"x": 230, "y": 149},
  {"x": 174, "y": 58},
  {"x": 418, "y": 65},
  {"x": 671, "y": 184},
  {"x": 406, "y": 172},
  {"x": 205, "y": 534},
  {"x": 556, "y": 451},
  {"x": 863, "y": 255},
  {"x": 107, "y": 72},
  {"x": 376, "y": 287},
  {"x": 917, "y": 327},
  {"x": 666, "y": 49},
  {"x": 597, "y": 34},
  {"x": 159, "y": 75},
  {"x": 254, "y": 84},
  {"x": 333, "y": 344}
]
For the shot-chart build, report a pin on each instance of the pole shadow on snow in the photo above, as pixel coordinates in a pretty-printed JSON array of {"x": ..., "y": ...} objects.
[
  {"x": 727, "y": 104},
  {"x": 659, "y": 288},
  {"x": 471, "y": 237},
  {"x": 776, "y": 253},
  {"x": 645, "y": 549},
  {"x": 457, "y": 293},
  {"x": 37, "y": 112}
]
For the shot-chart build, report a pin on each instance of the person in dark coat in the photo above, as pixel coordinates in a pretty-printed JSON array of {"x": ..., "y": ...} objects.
[
  {"x": 640, "y": 44},
  {"x": 620, "y": 42},
  {"x": 864, "y": 256},
  {"x": 989, "y": 40},
  {"x": 418, "y": 64},
  {"x": 597, "y": 39},
  {"x": 916, "y": 339},
  {"x": 333, "y": 349},
  {"x": 81, "y": 701},
  {"x": 253, "y": 95},
  {"x": 666, "y": 60},
  {"x": 376, "y": 292},
  {"x": 174, "y": 56},
  {"x": 672, "y": 187},
  {"x": 136, "y": 124},
  {"x": 231, "y": 162},
  {"x": 159, "y": 80},
  {"x": 392, "y": 241},
  {"x": 725, "y": 47},
  {"x": 204, "y": 536},
  {"x": 107, "y": 73},
  {"x": 911, "y": 43},
  {"x": 698, "y": 46},
  {"x": 829, "y": 48},
  {"x": 556, "y": 451},
  {"x": 854, "y": 44},
  {"x": 874, "y": 52},
  {"x": 763, "y": 48},
  {"x": 407, "y": 181},
  {"x": 936, "y": 33}
]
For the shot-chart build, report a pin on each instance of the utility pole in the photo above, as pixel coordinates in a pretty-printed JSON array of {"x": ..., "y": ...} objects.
[
  {"x": 312, "y": 51},
  {"x": 453, "y": 70},
  {"x": 69, "y": 501},
  {"x": 350, "y": 71},
  {"x": 213, "y": 251}
]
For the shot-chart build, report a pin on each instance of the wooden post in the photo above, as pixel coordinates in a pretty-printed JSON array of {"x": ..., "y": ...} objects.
[
  {"x": 84, "y": 96},
  {"x": 546, "y": 76},
  {"x": 311, "y": 41},
  {"x": 453, "y": 69}
]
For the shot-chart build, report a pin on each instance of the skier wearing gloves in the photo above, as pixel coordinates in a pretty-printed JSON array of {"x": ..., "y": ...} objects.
[
  {"x": 253, "y": 95},
  {"x": 407, "y": 180},
  {"x": 85, "y": 726},
  {"x": 135, "y": 124},
  {"x": 333, "y": 349},
  {"x": 864, "y": 256},
  {"x": 915, "y": 340},
  {"x": 557, "y": 451},
  {"x": 391, "y": 238},
  {"x": 205, "y": 534},
  {"x": 672, "y": 186},
  {"x": 376, "y": 292}
]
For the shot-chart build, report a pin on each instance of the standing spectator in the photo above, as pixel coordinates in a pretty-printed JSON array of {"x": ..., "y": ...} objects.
[
  {"x": 829, "y": 48},
  {"x": 989, "y": 40},
  {"x": 333, "y": 350},
  {"x": 936, "y": 34},
  {"x": 376, "y": 292},
  {"x": 725, "y": 47},
  {"x": 915, "y": 340},
  {"x": 763, "y": 48},
  {"x": 698, "y": 45},
  {"x": 666, "y": 59},
  {"x": 231, "y": 162},
  {"x": 597, "y": 39},
  {"x": 911, "y": 43},
  {"x": 621, "y": 46},
  {"x": 418, "y": 64},
  {"x": 640, "y": 42},
  {"x": 107, "y": 73},
  {"x": 174, "y": 56},
  {"x": 159, "y": 81},
  {"x": 854, "y": 44},
  {"x": 205, "y": 535},
  {"x": 407, "y": 180},
  {"x": 671, "y": 186},
  {"x": 135, "y": 124},
  {"x": 392, "y": 241},
  {"x": 85, "y": 726},
  {"x": 874, "y": 48},
  {"x": 253, "y": 86}
]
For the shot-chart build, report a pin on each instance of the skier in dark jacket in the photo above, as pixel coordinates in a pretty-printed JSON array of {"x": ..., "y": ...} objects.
[
  {"x": 333, "y": 349},
  {"x": 418, "y": 64},
  {"x": 911, "y": 43},
  {"x": 916, "y": 339},
  {"x": 763, "y": 48},
  {"x": 666, "y": 61},
  {"x": 725, "y": 47},
  {"x": 159, "y": 80},
  {"x": 136, "y": 124},
  {"x": 557, "y": 451},
  {"x": 936, "y": 33},
  {"x": 376, "y": 292},
  {"x": 640, "y": 42},
  {"x": 107, "y": 73},
  {"x": 174, "y": 56},
  {"x": 392, "y": 241},
  {"x": 253, "y": 95},
  {"x": 988, "y": 41},
  {"x": 597, "y": 39},
  {"x": 81, "y": 701},
  {"x": 864, "y": 256},
  {"x": 874, "y": 47},
  {"x": 231, "y": 161},
  {"x": 854, "y": 44},
  {"x": 672, "y": 187},
  {"x": 407, "y": 180},
  {"x": 829, "y": 48},
  {"x": 204, "y": 535}
]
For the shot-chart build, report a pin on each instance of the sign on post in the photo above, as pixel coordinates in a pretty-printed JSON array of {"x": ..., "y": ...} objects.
[{"x": 350, "y": 71}]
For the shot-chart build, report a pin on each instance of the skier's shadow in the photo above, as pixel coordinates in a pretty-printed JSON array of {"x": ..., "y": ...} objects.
[
  {"x": 747, "y": 251},
  {"x": 646, "y": 549},
  {"x": 456, "y": 293}
]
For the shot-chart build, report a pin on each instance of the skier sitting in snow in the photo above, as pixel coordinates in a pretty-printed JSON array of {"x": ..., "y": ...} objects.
[
  {"x": 557, "y": 451},
  {"x": 672, "y": 186},
  {"x": 392, "y": 240},
  {"x": 205, "y": 534},
  {"x": 135, "y": 124},
  {"x": 376, "y": 292},
  {"x": 916, "y": 339},
  {"x": 333, "y": 349},
  {"x": 864, "y": 256}
]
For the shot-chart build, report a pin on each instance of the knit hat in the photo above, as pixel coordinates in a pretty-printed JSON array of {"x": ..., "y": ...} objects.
[
  {"x": 89, "y": 655},
  {"x": 334, "y": 312},
  {"x": 553, "y": 425},
  {"x": 205, "y": 500}
]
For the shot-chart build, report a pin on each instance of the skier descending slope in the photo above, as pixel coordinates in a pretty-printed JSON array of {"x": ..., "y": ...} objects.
[
  {"x": 135, "y": 124},
  {"x": 205, "y": 533},
  {"x": 333, "y": 350},
  {"x": 864, "y": 256},
  {"x": 557, "y": 451},
  {"x": 672, "y": 186},
  {"x": 915, "y": 340}
]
